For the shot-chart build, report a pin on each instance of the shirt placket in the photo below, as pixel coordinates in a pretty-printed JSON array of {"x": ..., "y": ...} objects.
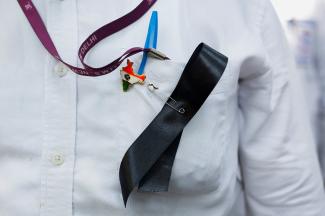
[{"x": 58, "y": 153}]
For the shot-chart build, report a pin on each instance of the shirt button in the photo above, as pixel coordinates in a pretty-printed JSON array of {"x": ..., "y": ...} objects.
[
  {"x": 57, "y": 159},
  {"x": 61, "y": 70}
]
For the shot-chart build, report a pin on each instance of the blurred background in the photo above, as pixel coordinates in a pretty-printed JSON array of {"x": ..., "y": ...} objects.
[{"x": 304, "y": 25}]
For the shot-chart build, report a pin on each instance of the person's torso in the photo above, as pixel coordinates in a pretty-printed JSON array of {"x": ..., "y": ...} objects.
[{"x": 91, "y": 122}]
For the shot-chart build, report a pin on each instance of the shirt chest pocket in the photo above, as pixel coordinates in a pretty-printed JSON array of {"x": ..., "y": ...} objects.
[
  {"x": 197, "y": 162},
  {"x": 165, "y": 76}
]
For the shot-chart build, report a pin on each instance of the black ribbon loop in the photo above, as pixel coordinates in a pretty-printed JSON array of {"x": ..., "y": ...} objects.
[{"x": 148, "y": 162}]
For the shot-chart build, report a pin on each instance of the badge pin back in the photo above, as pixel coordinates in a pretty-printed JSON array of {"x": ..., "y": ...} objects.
[{"x": 130, "y": 77}]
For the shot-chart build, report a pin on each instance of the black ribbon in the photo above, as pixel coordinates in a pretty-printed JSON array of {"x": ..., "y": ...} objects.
[{"x": 147, "y": 164}]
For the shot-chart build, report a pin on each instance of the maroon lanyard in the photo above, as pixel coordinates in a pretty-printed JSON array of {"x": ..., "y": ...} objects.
[{"x": 38, "y": 25}]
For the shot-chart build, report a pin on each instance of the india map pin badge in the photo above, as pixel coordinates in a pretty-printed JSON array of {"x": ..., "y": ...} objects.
[{"x": 130, "y": 77}]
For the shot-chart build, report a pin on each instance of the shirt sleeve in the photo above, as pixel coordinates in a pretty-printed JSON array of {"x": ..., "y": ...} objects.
[{"x": 280, "y": 171}]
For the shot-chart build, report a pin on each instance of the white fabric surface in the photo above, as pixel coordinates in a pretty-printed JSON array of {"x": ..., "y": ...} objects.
[{"x": 62, "y": 136}]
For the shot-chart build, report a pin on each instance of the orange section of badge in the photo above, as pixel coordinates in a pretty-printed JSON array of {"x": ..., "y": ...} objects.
[{"x": 129, "y": 70}]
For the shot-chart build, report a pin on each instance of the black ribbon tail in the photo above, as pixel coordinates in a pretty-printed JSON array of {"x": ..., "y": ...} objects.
[
  {"x": 148, "y": 162},
  {"x": 157, "y": 178}
]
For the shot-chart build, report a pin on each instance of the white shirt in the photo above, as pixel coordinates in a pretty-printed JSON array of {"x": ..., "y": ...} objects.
[{"x": 62, "y": 136}]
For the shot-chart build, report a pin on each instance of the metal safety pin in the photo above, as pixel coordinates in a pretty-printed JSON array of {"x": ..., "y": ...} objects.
[
  {"x": 180, "y": 110},
  {"x": 152, "y": 89}
]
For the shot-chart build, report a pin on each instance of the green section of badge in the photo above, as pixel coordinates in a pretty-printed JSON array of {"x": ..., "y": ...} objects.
[{"x": 125, "y": 85}]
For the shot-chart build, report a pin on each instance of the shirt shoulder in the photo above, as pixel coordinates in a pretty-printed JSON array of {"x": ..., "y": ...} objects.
[
  {"x": 253, "y": 11},
  {"x": 232, "y": 12}
]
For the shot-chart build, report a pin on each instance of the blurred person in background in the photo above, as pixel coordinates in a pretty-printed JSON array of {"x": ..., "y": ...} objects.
[
  {"x": 320, "y": 44},
  {"x": 305, "y": 29}
]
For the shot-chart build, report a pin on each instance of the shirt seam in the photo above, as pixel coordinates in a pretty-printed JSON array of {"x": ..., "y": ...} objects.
[{"x": 262, "y": 14}]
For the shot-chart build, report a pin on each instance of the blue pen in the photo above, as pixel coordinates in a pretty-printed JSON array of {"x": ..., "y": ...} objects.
[{"x": 151, "y": 41}]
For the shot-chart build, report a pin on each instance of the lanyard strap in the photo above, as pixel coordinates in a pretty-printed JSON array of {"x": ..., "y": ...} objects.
[{"x": 107, "y": 30}]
